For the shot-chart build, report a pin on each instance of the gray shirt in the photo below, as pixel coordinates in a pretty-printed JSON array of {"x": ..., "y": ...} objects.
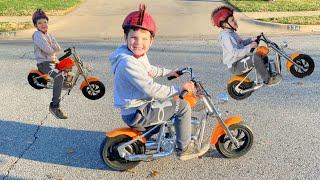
[
  {"x": 45, "y": 47},
  {"x": 133, "y": 81},
  {"x": 234, "y": 48}
]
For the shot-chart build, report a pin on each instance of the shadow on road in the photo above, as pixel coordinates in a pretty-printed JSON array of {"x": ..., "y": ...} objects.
[{"x": 54, "y": 145}]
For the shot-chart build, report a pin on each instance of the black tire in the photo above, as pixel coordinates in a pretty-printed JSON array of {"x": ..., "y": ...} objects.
[
  {"x": 34, "y": 83},
  {"x": 99, "y": 90},
  {"x": 308, "y": 66},
  {"x": 239, "y": 96},
  {"x": 110, "y": 155},
  {"x": 245, "y": 137}
]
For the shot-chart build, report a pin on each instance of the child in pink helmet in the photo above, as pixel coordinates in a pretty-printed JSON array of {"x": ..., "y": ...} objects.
[
  {"x": 45, "y": 49},
  {"x": 236, "y": 52},
  {"x": 142, "y": 101}
]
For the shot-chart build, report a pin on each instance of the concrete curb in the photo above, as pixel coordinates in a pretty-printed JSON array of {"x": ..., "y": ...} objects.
[
  {"x": 288, "y": 27},
  {"x": 6, "y": 35}
]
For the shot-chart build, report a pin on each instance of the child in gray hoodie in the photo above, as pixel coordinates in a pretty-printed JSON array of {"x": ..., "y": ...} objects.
[
  {"x": 142, "y": 101},
  {"x": 236, "y": 52},
  {"x": 45, "y": 49}
]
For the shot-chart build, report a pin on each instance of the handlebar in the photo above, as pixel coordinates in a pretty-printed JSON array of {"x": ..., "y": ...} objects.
[
  {"x": 179, "y": 72},
  {"x": 183, "y": 94},
  {"x": 257, "y": 41},
  {"x": 67, "y": 50},
  {"x": 68, "y": 53}
]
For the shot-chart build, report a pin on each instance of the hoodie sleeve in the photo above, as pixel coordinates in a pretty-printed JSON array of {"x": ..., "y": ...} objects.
[
  {"x": 134, "y": 73},
  {"x": 231, "y": 51},
  {"x": 55, "y": 44},
  {"x": 42, "y": 43},
  {"x": 246, "y": 41},
  {"x": 159, "y": 72}
]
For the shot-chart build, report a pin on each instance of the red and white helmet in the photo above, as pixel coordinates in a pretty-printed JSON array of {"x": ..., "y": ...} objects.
[
  {"x": 220, "y": 15},
  {"x": 39, "y": 14},
  {"x": 141, "y": 19}
]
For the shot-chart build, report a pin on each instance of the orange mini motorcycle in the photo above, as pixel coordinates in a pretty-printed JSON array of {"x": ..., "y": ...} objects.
[
  {"x": 124, "y": 148},
  {"x": 298, "y": 64},
  {"x": 91, "y": 87}
]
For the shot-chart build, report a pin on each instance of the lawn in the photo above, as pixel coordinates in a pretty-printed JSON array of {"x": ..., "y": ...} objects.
[
  {"x": 27, "y": 7},
  {"x": 276, "y": 5},
  {"x": 301, "y": 20},
  {"x": 14, "y": 26}
]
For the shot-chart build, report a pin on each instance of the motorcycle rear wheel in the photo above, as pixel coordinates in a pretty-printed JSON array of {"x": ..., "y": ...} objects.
[
  {"x": 110, "y": 155},
  {"x": 35, "y": 82},
  {"x": 239, "y": 96}
]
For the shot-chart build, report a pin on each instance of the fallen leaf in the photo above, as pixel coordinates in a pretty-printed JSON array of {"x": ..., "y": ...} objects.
[
  {"x": 131, "y": 171},
  {"x": 154, "y": 173}
]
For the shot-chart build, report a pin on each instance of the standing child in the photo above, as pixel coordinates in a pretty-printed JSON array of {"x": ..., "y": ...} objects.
[
  {"x": 236, "y": 52},
  {"x": 45, "y": 49},
  {"x": 142, "y": 101}
]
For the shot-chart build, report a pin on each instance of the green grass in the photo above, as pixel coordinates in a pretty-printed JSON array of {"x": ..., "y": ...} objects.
[
  {"x": 27, "y": 7},
  {"x": 14, "y": 26},
  {"x": 277, "y": 5},
  {"x": 301, "y": 20}
]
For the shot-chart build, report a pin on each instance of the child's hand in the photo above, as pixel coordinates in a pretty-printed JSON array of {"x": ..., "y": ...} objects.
[
  {"x": 254, "y": 44},
  {"x": 173, "y": 73},
  {"x": 189, "y": 86}
]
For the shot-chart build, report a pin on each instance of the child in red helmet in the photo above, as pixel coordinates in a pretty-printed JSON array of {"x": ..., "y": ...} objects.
[
  {"x": 45, "y": 49},
  {"x": 142, "y": 101},
  {"x": 236, "y": 52}
]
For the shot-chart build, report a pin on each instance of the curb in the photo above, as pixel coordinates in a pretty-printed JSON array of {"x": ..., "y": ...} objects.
[
  {"x": 5, "y": 35},
  {"x": 288, "y": 27}
]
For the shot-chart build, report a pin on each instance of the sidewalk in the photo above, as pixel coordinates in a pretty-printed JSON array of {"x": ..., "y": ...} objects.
[{"x": 100, "y": 20}]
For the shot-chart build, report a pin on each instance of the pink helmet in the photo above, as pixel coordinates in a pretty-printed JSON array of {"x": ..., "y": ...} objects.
[
  {"x": 221, "y": 14},
  {"x": 140, "y": 19},
  {"x": 39, "y": 14}
]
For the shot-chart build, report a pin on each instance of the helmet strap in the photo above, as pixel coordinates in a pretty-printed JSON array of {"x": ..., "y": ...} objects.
[{"x": 230, "y": 27}]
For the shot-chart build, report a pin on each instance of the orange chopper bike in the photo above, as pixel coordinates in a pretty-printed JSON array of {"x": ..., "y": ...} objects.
[{"x": 125, "y": 148}]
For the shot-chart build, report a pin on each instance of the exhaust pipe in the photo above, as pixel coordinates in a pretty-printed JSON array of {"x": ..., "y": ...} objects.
[{"x": 143, "y": 157}]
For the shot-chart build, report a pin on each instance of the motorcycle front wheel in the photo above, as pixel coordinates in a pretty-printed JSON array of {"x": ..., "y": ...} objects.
[
  {"x": 244, "y": 136},
  {"x": 307, "y": 64},
  {"x": 98, "y": 90}
]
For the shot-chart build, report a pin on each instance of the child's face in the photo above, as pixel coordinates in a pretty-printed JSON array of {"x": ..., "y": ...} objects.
[
  {"x": 232, "y": 21},
  {"x": 42, "y": 25},
  {"x": 139, "y": 41}
]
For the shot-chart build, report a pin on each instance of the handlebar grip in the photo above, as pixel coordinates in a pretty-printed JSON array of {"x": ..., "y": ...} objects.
[
  {"x": 183, "y": 94},
  {"x": 173, "y": 77},
  {"x": 66, "y": 50}
]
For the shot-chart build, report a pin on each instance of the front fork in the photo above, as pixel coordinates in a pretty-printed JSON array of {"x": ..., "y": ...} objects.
[{"x": 212, "y": 112}]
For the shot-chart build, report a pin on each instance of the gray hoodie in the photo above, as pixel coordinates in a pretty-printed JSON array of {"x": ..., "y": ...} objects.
[
  {"x": 45, "y": 47},
  {"x": 133, "y": 81},
  {"x": 234, "y": 48}
]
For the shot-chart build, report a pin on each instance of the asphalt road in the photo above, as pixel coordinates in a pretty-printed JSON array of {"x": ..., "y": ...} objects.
[{"x": 33, "y": 144}]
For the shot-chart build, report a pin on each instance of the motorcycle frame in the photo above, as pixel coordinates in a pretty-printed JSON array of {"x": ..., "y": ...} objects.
[
  {"x": 80, "y": 69},
  {"x": 211, "y": 111},
  {"x": 279, "y": 52}
]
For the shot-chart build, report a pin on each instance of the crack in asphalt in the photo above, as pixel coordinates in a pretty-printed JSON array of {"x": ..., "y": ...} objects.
[{"x": 29, "y": 146}]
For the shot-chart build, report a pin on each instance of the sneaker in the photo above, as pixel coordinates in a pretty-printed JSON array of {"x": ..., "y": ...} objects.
[
  {"x": 274, "y": 80},
  {"x": 57, "y": 112},
  {"x": 192, "y": 151}
]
